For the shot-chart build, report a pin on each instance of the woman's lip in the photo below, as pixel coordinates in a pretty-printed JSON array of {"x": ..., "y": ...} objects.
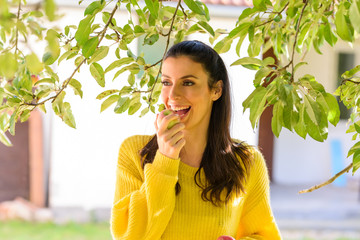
[{"x": 182, "y": 116}]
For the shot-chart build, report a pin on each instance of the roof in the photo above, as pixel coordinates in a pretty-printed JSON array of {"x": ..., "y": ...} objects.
[{"x": 246, "y": 3}]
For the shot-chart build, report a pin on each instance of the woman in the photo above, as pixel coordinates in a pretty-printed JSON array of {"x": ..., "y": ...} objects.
[{"x": 191, "y": 180}]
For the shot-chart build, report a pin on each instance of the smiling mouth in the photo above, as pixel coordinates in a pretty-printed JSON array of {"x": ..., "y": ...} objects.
[{"x": 182, "y": 112}]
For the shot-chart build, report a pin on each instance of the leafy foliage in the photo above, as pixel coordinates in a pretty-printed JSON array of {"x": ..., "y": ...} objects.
[{"x": 300, "y": 104}]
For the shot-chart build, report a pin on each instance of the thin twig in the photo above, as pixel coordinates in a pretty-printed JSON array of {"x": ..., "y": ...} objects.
[
  {"x": 183, "y": 10},
  {"x": 328, "y": 181},
  {"x": 69, "y": 40},
  {"x": 166, "y": 49},
  {"x": 147, "y": 67},
  {"x": 349, "y": 80},
  {"x": 277, "y": 14},
  {"x": 295, "y": 41},
  {"x": 17, "y": 29}
]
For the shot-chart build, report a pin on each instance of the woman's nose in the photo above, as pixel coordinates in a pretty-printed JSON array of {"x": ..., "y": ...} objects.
[{"x": 175, "y": 92}]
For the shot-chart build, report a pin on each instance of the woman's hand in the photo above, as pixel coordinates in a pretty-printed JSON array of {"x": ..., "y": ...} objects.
[
  {"x": 170, "y": 139},
  {"x": 225, "y": 238}
]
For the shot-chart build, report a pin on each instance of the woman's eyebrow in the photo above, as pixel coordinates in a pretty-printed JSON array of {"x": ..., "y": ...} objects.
[{"x": 183, "y": 77}]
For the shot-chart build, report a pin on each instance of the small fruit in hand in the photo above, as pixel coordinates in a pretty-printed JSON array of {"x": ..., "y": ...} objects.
[{"x": 173, "y": 122}]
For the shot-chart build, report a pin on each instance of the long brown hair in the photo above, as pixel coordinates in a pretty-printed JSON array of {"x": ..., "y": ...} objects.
[{"x": 222, "y": 168}]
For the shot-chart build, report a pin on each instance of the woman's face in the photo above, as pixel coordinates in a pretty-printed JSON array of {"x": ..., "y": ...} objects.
[{"x": 186, "y": 91}]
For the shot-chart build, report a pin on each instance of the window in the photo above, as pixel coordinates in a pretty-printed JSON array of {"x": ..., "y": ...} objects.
[{"x": 346, "y": 61}]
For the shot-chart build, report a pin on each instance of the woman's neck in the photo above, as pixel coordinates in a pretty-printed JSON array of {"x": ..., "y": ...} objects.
[{"x": 194, "y": 148}]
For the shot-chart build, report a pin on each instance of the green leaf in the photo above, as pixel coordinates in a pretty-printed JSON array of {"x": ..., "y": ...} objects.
[
  {"x": 329, "y": 35},
  {"x": 277, "y": 119},
  {"x": 299, "y": 65},
  {"x": 134, "y": 108},
  {"x": 13, "y": 119},
  {"x": 257, "y": 105},
  {"x": 290, "y": 116},
  {"x": 313, "y": 110},
  {"x": 246, "y": 13},
  {"x": 8, "y": 65},
  {"x": 119, "y": 63},
  {"x": 350, "y": 73},
  {"x": 90, "y": 47},
  {"x": 109, "y": 101},
  {"x": 50, "y": 8},
  {"x": 357, "y": 128},
  {"x": 106, "y": 93},
  {"x": 260, "y": 74},
  {"x": 144, "y": 111},
  {"x": 153, "y": 6},
  {"x": 268, "y": 61},
  {"x": 353, "y": 149},
  {"x": 248, "y": 61},
  {"x": 207, "y": 27},
  {"x": 260, "y": 5},
  {"x": 342, "y": 28},
  {"x": 24, "y": 116},
  {"x": 66, "y": 55},
  {"x": 151, "y": 39},
  {"x": 4, "y": 139},
  {"x": 194, "y": 7},
  {"x": 98, "y": 73},
  {"x": 300, "y": 127},
  {"x": 223, "y": 46},
  {"x": 133, "y": 68},
  {"x": 356, "y": 161},
  {"x": 94, "y": 8},
  {"x": 194, "y": 28},
  {"x": 312, "y": 128},
  {"x": 58, "y": 103},
  {"x": 354, "y": 15},
  {"x": 84, "y": 29},
  {"x": 76, "y": 85},
  {"x": 99, "y": 54},
  {"x": 48, "y": 58},
  {"x": 33, "y": 64},
  {"x": 334, "y": 110},
  {"x": 68, "y": 117},
  {"x": 131, "y": 79},
  {"x": 315, "y": 119},
  {"x": 255, "y": 45},
  {"x": 122, "y": 105}
]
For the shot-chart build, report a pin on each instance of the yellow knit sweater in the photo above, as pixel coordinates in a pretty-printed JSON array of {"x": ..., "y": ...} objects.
[{"x": 147, "y": 208}]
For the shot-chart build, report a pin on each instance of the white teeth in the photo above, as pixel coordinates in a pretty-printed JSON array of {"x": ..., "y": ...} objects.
[{"x": 179, "y": 108}]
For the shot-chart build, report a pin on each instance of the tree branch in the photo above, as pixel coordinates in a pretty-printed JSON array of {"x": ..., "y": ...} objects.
[
  {"x": 295, "y": 41},
  {"x": 17, "y": 29},
  {"x": 147, "y": 67},
  {"x": 166, "y": 49},
  {"x": 65, "y": 84},
  {"x": 277, "y": 14},
  {"x": 328, "y": 181}
]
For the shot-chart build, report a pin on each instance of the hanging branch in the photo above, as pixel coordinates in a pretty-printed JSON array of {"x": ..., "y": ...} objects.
[
  {"x": 295, "y": 42},
  {"x": 65, "y": 84},
  {"x": 166, "y": 49},
  {"x": 328, "y": 181},
  {"x": 277, "y": 14},
  {"x": 17, "y": 29}
]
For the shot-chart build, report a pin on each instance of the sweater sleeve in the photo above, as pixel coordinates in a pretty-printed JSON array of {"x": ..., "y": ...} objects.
[
  {"x": 143, "y": 203},
  {"x": 257, "y": 220}
]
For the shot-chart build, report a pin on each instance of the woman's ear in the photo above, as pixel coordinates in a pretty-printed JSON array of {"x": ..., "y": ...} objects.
[{"x": 217, "y": 90}]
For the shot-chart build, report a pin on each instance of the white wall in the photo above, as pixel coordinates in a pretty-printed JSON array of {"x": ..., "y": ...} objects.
[{"x": 83, "y": 160}]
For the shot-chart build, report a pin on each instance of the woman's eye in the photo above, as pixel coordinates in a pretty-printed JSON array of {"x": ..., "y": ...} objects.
[
  {"x": 165, "y": 83},
  {"x": 188, "y": 83}
]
